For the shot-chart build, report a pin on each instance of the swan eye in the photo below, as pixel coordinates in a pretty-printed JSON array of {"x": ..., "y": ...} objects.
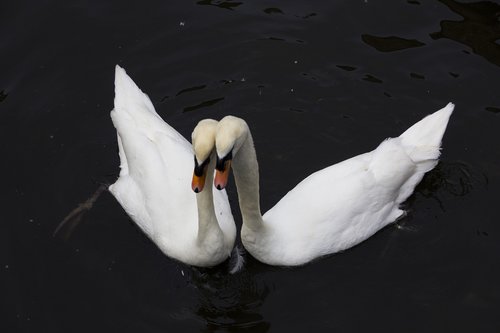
[
  {"x": 222, "y": 167},
  {"x": 199, "y": 175},
  {"x": 200, "y": 169},
  {"x": 221, "y": 162}
]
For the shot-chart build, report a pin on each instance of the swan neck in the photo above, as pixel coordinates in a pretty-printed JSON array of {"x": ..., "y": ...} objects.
[
  {"x": 207, "y": 221},
  {"x": 246, "y": 175}
]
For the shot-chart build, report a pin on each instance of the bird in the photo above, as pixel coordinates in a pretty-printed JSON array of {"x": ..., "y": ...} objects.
[
  {"x": 334, "y": 208},
  {"x": 153, "y": 186}
]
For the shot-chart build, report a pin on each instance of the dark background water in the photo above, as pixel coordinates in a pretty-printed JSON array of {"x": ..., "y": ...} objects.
[{"x": 318, "y": 82}]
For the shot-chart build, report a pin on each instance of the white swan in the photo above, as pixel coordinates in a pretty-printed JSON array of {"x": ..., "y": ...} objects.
[
  {"x": 153, "y": 187},
  {"x": 334, "y": 208}
]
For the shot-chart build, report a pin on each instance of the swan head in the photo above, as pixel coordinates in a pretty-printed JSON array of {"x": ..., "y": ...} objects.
[
  {"x": 231, "y": 134},
  {"x": 203, "y": 139}
]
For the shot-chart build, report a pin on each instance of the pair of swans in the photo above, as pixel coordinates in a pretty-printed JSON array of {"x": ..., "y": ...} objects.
[{"x": 329, "y": 211}]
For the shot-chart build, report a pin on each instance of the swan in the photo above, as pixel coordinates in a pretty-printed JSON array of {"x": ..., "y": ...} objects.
[
  {"x": 153, "y": 185},
  {"x": 334, "y": 208}
]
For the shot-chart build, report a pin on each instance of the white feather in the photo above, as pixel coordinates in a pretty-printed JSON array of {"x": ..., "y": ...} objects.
[
  {"x": 337, "y": 207},
  {"x": 154, "y": 185}
]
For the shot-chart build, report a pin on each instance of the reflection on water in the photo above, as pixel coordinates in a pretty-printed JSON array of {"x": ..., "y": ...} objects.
[
  {"x": 417, "y": 76},
  {"x": 480, "y": 28},
  {"x": 221, "y": 4},
  {"x": 493, "y": 109},
  {"x": 372, "y": 79},
  {"x": 68, "y": 225},
  {"x": 390, "y": 44},
  {"x": 347, "y": 68},
  {"x": 193, "y": 89},
  {"x": 273, "y": 10},
  {"x": 307, "y": 16},
  {"x": 279, "y": 39},
  {"x": 203, "y": 86},
  {"x": 203, "y": 104},
  {"x": 229, "y": 302}
]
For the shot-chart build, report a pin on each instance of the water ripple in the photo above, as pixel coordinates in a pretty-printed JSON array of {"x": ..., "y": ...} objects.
[
  {"x": 347, "y": 68},
  {"x": 229, "y": 302},
  {"x": 273, "y": 10},
  {"x": 479, "y": 28},
  {"x": 372, "y": 79},
  {"x": 391, "y": 43},
  {"x": 203, "y": 104},
  {"x": 492, "y": 109},
  {"x": 3, "y": 96},
  {"x": 191, "y": 89},
  {"x": 220, "y": 4},
  {"x": 451, "y": 178},
  {"x": 417, "y": 76}
]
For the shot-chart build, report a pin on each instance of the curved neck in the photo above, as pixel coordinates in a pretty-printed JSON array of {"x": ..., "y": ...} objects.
[
  {"x": 246, "y": 176},
  {"x": 207, "y": 221}
]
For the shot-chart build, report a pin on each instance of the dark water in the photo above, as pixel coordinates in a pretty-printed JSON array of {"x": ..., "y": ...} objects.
[{"x": 318, "y": 82}]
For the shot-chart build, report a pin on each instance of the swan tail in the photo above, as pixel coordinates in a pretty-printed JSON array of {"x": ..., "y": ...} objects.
[
  {"x": 401, "y": 163},
  {"x": 422, "y": 141}
]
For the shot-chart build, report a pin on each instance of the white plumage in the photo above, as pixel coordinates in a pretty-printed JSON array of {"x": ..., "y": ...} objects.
[
  {"x": 154, "y": 185},
  {"x": 334, "y": 208}
]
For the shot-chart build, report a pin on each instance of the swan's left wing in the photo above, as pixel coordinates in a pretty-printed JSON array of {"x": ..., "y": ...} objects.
[{"x": 156, "y": 162}]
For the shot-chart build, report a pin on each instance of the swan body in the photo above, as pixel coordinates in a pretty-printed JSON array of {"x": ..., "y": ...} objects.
[
  {"x": 153, "y": 186},
  {"x": 335, "y": 208}
]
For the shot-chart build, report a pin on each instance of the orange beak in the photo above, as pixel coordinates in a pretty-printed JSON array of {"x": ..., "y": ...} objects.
[
  {"x": 199, "y": 175},
  {"x": 198, "y": 182},
  {"x": 221, "y": 177}
]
